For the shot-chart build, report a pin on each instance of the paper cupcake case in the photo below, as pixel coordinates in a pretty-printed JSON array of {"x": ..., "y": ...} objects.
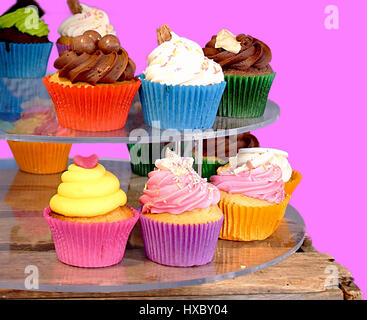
[
  {"x": 40, "y": 157},
  {"x": 293, "y": 182},
  {"x": 90, "y": 245},
  {"x": 179, "y": 245},
  {"x": 245, "y": 96},
  {"x": 92, "y": 108},
  {"x": 142, "y": 165},
  {"x": 180, "y": 107},
  {"x": 62, "y": 47},
  {"x": 243, "y": 223},
  {"x": 208, "y": 169},
  {"x": 24, "y": 60},
  {"x": 14, "y": 92}
]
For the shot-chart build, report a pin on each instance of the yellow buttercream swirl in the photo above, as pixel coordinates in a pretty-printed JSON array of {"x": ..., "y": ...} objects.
[{"x": 87, "y": 192}]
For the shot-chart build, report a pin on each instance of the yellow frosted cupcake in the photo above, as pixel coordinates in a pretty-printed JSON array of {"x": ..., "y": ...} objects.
[
  {"x": 179, "y": 211},
  {"x": 88, "y": 217},
  {"x": 253, "y": 196}
]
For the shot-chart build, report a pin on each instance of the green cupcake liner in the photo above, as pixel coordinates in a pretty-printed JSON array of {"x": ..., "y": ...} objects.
[
  {"x": 142, "y": 165},
  {"x": 141, "y": 158},
  {"x": 245, "y": 96},
  {"x": 208, "y": 169}
]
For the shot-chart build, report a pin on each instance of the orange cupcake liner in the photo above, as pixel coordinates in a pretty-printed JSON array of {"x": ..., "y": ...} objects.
[
  {"x": 92, "y": 108},
  {"x": 293, "y": 182},
  {"x": 40, "y": 157},
  {"x": 243, "y": 223}
]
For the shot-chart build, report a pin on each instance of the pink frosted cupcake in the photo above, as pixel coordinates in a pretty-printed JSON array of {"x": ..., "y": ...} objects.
[
  {"x": 88, "y": 217},
  {"x": 180, "y": 218}
]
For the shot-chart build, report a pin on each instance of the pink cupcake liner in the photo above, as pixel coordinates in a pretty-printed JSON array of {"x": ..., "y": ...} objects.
[
  {"x": 62, "y": 47},
  {"x": 90, "y": 245},
  {"x": 180, "y": 245}
]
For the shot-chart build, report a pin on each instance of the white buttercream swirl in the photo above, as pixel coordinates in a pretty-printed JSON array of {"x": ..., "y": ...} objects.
[
  {"x": 181, "y": 61},
  {"x": 90, "y": 19},
  {"x": 255, "y": 157}
]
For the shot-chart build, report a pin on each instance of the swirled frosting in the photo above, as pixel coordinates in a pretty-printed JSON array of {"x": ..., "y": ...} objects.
[
  {"x": 97, "y": 67},
  {"x": 90, "y": 19},
  {"x": 242, "y": 53},
  {"x": 87, "y": 192},
  {"x": 255, "y": 172},
  {"x": 174, "y": 187},
  {"x": 264, "y": 183},
  {"x": 26, "y": 20},
  {"x": 181, "y": 61},
  {"x": 251, "y": 157}
]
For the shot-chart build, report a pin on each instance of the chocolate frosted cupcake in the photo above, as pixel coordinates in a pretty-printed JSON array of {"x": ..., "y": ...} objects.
[
  {"x": 95, "y": 84},
  {"x": 217, "y": 152},
  {"x": 83, "y": 18},
  {"x": 245, "y": 63},
  {"x": 24, "y": 44}
]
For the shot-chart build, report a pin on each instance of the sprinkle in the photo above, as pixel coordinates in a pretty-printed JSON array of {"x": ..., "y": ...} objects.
[
  {"x": 157, "y": 192},
  {"x": 164, "y": 201}
]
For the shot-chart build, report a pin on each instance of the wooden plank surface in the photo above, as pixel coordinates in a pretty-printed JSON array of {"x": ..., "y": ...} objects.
[
  {"x": 307, "y": 274},
  {"x": 302, "y": 276}
]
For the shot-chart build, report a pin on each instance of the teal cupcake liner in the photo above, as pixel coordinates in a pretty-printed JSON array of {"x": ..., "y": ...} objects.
[
  {"x": 245, "y": 96},
  {"x": 180, "y": 107},
  {"x": 24, "y": 60}
]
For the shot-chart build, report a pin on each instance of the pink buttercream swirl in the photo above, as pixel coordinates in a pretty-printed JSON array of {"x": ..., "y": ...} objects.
[
  {"x": 174, "y": 187},
  {"x": 264, "y": 183}
]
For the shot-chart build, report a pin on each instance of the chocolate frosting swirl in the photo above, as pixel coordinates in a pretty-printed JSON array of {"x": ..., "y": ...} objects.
[
  {"x": 219, "y": 145},
  {"x": 96, "y": 66},
  {"x": 254, "y": 55}
]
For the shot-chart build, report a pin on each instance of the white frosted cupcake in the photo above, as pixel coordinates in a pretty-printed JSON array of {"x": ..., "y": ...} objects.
[{"x": 181, "y": 88}]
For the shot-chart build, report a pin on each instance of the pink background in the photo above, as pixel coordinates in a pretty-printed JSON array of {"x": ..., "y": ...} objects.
[{"x": 320, "y": 87}]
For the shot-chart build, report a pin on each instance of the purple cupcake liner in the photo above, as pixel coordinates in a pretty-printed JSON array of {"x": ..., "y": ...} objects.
[
  {"x": 90, "y": 245},
  {"x": 180, "y": 245},
  {"x": 62, "y": 47}
]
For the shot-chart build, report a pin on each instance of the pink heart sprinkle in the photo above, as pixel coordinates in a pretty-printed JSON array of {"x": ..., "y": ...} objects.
[{"x": 86, "y": 162}]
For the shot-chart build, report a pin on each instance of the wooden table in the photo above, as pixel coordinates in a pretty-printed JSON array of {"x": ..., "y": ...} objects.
[{"x": 307, "y": 274}]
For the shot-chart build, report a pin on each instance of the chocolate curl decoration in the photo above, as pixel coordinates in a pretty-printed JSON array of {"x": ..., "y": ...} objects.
[
  {"x": 163, "y": 34},
  {"x": 75, "y": 6}
]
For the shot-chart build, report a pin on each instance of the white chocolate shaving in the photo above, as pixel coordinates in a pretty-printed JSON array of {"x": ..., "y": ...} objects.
[{"x": 227, "y": 41}]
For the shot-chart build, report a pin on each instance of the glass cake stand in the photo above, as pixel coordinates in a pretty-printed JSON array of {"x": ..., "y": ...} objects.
[
  {"x": 25, "y": 238},
  {"x": 25, "y": 241}
]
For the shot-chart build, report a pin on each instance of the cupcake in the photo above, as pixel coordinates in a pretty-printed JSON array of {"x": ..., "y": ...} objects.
[
  {"x": 253, "y": 195},
  {"x": 24, "y": 44},
  {"x": 217, "y": 151},
  {"x": 181, "y": 88},
  {"x": 88, "y": 217},
  {"x": 95, "y": 85},
  {"x": 83, "y": 18},
  {"x": 38, "y": 157},
  {"x": 180, "y": 218},
  {"x": 245, "y": 63}
]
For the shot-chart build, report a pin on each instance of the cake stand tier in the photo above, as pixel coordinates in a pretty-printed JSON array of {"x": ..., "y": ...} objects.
[
  {"x": 26, "y": 245},
  {"x": 19, "y": 95}
]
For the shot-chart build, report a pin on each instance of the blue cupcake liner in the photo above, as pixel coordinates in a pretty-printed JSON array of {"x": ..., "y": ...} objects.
[
  {"x": 24, "y": 60},
  {"x": 180, "y": 107},
  {"x": 14, "y": 92}
]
